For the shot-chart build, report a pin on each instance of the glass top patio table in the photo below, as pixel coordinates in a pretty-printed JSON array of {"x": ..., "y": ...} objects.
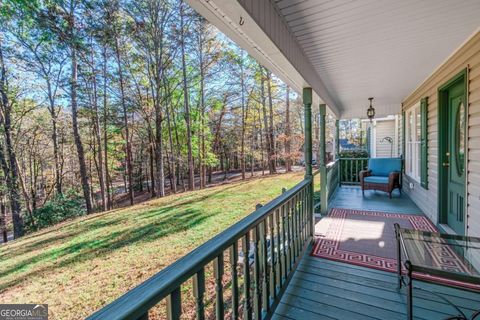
[{"x": 447, "y": 256}]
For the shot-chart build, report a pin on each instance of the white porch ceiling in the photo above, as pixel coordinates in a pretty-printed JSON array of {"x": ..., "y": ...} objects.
[{"x": 379, "y": 48}]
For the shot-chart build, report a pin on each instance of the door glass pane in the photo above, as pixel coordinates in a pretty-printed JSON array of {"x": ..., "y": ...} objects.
[{"x": 460, "y": 138}]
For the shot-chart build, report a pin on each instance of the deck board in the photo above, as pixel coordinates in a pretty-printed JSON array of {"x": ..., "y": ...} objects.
[
  {"x": 323, "y": 289},
  {"x": 350, "y": 197}
]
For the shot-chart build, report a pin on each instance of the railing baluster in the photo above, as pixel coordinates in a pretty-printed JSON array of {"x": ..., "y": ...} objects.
[
  {"x": 198, "y": 293},
  {"x": 273, "y": 256},
  {"x": 300, "y": 218},
  {"x": 302, "y": 235},
  {"x": 339, "y": 172},
  {"x": 284, "y": 244},
  {"x": 247, "y": 307},
  {"x": 174, "y": 305},
  {"x": 351, "y": 171},
  {"x": 357, "y": 178},
  {"x": 297, "y": 221},
  {"x": 279, "y": 259},
  {"x": 233, "y": 264},
  {"x": 294, "y": 229},
  {"x": 305, "y": 214},
  {"x": 289, "y": 236},
  {"x": 297, "y": 215},
  {"x": 218, "y": 270},
  {"x": 257, "y": 299},
  {"x": 265, "y": 268}
]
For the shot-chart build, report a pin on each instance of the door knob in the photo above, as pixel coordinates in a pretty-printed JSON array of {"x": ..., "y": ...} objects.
[{"x": 446, "y": 164}]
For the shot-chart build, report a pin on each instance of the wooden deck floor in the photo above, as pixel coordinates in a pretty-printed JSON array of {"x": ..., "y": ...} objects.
[
  {"x": 324, "y": 289},
  {"x": 351, "y": 197}
]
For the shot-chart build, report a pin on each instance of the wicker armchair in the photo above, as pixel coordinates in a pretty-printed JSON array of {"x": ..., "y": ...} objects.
[{"x": 383, "y": 174}]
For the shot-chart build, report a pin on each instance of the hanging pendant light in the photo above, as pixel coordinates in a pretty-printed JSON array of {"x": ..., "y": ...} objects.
[{"x": 371, "y": 110}]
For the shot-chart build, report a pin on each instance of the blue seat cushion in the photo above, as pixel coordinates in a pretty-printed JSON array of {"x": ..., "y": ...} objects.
[
  {"x": 376, "y": 179},
  {"x": 383, "y": 166}
]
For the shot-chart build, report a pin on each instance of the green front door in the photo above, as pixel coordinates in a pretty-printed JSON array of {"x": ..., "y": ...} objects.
[{"x": 455, "y": 158}]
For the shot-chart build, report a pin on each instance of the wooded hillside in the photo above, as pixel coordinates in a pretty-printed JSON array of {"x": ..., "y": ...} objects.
[{"x": 106, "y": 100}]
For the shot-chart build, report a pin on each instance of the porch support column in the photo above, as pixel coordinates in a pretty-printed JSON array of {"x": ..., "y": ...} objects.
[
  {"x": 321, "y": 162},
  {"x": 337, "y": 139},
  {"x": 307, "y": 105},
  {"x": 337, "y": 150}
]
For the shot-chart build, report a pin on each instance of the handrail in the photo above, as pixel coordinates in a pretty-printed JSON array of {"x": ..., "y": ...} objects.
[
  {"x": 332, "y": 177},
  {"x": 295, "y": 208},
  {"x": 331, "y": 164}
]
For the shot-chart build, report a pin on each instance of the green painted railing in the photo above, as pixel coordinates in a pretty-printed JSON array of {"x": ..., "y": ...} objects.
[
  {"x": 350, "y": 169},
  {"x": 332, "y": 177},
  {"x": 331, "y": 172},
  {"x": 316, "y": 191},
  {"x": 256, "y": 257}
]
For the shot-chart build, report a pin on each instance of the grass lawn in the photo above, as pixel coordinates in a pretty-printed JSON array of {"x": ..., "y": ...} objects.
[{"x": 81, "y": 265}]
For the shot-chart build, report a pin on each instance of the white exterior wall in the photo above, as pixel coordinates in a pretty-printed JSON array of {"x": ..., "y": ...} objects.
[{"x": 384, "y": 149}]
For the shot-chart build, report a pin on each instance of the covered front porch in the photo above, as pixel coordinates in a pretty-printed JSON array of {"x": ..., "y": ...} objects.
[
  {"x": 263, "y": 266},
  {"x": 329, "y": 289}
]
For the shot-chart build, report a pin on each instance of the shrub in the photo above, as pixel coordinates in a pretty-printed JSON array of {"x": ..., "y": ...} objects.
[
  {"x": 354, "y": 154},
  {"x": 58, "y": 209}
]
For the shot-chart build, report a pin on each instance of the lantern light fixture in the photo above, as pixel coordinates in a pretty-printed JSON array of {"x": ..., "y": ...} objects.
[{"x": 371, "y": 110}]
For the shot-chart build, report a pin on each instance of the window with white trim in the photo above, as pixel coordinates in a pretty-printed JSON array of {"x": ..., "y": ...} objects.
[{"x": 413, "y": 142}]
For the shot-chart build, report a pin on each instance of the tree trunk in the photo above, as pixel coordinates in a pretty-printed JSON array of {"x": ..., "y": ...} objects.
[
  {"x": 173, "y": 162},
  {"x": 288, "y": 132},
  {"x": 53, "y": 118},
  {"x": 265, "y": 124},
  {"x": 3, "y": 218},
  {"x": 9, "y": 163},
  {"x": 244, "y": 115},
  {"x": 105, "y": 128},
  {"x": 96, "y": 125},
  {"x": 202, "y": 153},
  {"x": 159, "y": 152},
  {"x": 128, "y": 147},
  {"x": 191, "y": 168},
  {"x": 151, "y": 149},
  {"x": 272, "y": 155},
  {"x": 262, "y": 152},
  {"x": 76, "y": 132}
]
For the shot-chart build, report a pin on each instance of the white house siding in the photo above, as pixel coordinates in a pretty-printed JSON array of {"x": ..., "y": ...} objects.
[
  {"x": 385, "y": 129},
  {"x": 467, "y": 57}
]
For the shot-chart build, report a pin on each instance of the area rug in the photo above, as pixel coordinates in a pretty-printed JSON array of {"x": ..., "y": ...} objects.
[{"x": 367, "y": 238}]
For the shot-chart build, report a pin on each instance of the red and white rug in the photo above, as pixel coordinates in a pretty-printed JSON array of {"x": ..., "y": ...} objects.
[{"x": 367, "y": 238}]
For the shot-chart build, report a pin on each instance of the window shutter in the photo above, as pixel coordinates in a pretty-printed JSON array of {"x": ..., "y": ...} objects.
[{"x": 424, "y": 143}]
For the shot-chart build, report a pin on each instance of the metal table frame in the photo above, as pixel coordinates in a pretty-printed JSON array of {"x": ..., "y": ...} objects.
[{"x": 410, "y": 268}]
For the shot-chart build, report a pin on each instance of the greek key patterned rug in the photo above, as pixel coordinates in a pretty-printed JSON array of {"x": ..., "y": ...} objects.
[{"x": 367, "y": 238}]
